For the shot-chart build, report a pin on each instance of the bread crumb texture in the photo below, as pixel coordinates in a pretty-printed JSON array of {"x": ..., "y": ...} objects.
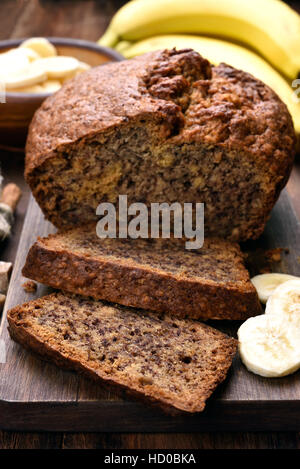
[
  {"x": 163, "y": 127},
  {"x": 157, "y": 274},
  {"x": 29, "y": 286},
  {"x": 174, "y": 363}
]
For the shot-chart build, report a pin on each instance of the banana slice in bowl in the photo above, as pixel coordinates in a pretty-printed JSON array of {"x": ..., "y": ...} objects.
[
  {"x": 285, "y": 301},
  {"x": 28, "y": 89},
  {"x": 12, "y": 62},
  {"x": 265, "y": 284},
  {"x": 27, "y": 84},
  {"x": 57, "y": 67},
  {"x": 36, "y": 62},
  {"x": 28, "y": 77},
  {"x": 269, "y": 346},
  {"x": 30, "y": 53},
  {"x": 51, "y": 86},
  {"x": 40, "y": 45}
]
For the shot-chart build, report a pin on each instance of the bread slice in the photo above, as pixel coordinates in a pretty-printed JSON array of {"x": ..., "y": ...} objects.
[
  {"x": 162, "y": 127},
  {"x": 156, "y": 274},
  {"x": 174, "y": 363}
]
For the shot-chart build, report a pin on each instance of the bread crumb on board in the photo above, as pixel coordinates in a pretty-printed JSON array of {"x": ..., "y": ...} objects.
[
  {"x": 272, "y": 255},
  {"x": 261, "y": 261},
  {"x": 275, "y": 254},
  {"x": 29, "y": 286}
]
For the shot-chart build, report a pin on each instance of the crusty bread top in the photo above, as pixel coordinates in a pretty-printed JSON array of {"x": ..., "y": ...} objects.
[
  {"x": 192, "y": 100},
  {"x": 175, "y": 363}
]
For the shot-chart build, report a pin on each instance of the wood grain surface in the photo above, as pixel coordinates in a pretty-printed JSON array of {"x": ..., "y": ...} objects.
[
  {"x": 35, "y": 395},
  {"x": 87, "y": 19}
]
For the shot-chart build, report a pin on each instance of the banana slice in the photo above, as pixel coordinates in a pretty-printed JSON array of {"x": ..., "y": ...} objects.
[
  {"x": 50, "y": 86},
  {"x": 82, "y": 67},
  {"x": 57, "y": 67},
  {"x": 285, "y": 301},
  {"x": 30, "y": 54},
  {"x": 28, "y": 77},
  {"x": 28, "y": 89},
  {"x": 41, "y": 46},
  {"x": 265, "y": 284},
  {"x": 269, "y": 346},
  {"x": 12, "y": 62},
  {"x": 34, "y": 67}
]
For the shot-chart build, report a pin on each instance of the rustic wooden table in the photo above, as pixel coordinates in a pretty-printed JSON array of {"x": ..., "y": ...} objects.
[{"x": 87, "y": 19}]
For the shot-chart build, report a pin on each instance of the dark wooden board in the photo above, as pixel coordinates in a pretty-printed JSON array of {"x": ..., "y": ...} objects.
[{"x": 35, "y": 395}]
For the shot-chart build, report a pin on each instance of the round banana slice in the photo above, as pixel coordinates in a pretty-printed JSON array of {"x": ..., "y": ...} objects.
[
  {"x": 28, "y": 89},
  {"x": 28, "y": 77},
  {"x": 269, "y": 346},
  {"x": 30, "y": 54},
  {"x": 41, "y": 46},
  {"x": 285, "y": 301},
  {"x": 50, "y": 86},
  {"x": 82, "y": 67},
  {"x": 12, "y": 62},
  {"x": 57, "y": 67},
  {"x": 265, "y": 284}
]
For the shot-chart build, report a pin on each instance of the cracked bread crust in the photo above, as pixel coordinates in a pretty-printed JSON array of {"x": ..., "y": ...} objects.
[
  {"x": 160, "y": 275},
  {"x": 171, "y": 363},
  {"x": 107, "y": 97},
  {"x": 184, "y": 104},
  {"x": 227, "y": 106}
]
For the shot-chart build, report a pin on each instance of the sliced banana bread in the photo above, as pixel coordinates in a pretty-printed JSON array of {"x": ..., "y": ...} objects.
[
  {"x": 157, "y": 274},
  {"x": 163, "y": 127},
  {"x": 174, "y": 363}
]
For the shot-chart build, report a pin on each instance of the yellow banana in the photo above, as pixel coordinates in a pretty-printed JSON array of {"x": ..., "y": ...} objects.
[
  {"x": 217, "y": 51},
  {"x": 269, "y": 26},
  {"x": 122, "y": 46}
]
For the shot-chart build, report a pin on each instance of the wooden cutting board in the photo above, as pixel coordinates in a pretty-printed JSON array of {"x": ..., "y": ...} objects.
[{"x": 35, "y": 395}]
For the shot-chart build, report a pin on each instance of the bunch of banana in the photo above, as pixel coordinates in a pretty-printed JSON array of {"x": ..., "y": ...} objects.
[{"x": 269, "y": 27}]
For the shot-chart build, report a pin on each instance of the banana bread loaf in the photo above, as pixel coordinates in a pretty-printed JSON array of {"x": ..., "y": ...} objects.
[
  {"x": 162, "y": 127},
  {"x": 155, "y": 274},
  {"x": 174, "y": 363}
]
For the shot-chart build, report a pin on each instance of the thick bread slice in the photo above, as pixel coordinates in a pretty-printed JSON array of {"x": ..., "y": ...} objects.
[
  {"x": 156, "y": 274},
  {"x": 174, "y": 363}
]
